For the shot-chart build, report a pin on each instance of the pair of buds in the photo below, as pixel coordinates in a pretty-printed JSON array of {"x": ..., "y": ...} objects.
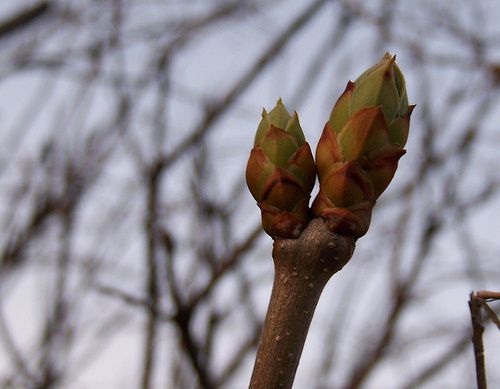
[{"x": 356, "y": 157}]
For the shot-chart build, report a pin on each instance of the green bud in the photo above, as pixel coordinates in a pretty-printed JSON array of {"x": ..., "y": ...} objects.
[
  {"x": 281, "y": 173},
  {"x": 358, "y": 152}
]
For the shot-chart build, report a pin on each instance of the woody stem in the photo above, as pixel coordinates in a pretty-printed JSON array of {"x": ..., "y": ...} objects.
[{"x": 303, "y": 266}]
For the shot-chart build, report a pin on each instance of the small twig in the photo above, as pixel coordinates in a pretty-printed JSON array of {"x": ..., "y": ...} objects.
[
  {"x": 488, "y": 295},
  {"x": 477, "y": 339}
]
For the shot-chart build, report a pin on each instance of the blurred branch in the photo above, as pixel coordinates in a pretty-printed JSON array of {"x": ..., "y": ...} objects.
[
  {"x": 24, "y": 17},
  {"x": 251, "y": 342},
  {"x": 57, "y": 331},
  {"x": 438, "y": 364},
  {"x": 244, "y": 348},
  {"x": 22, "y": 369},
  {"x": 369, "y": 359},
  {"x": 320, "y": 61},
  {"x": 182, "y": 319},
  {"x": 152, "y": 287},
  {"x": 215, "y": 111},
  {"x": 131, "y": 300},
  {"x": 12, "y": 254},
  {"x": 226, "y": 263}
]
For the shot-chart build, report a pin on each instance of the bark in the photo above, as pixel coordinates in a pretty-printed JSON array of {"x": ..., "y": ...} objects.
[{"x": 302, "y": 266}]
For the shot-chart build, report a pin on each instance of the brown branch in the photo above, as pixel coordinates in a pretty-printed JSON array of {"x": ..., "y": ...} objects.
[
  {"x": 151, "y": 287},
  {"x": 488, "y": 295},
  {"x": 192, "y": 348},
  {"x": 24, "y": 17},
  {"x": 237, "y": 359},
  {"x": 12, "y": 255},
  {"x": 58, "y": 329},
  {"x": 20, "y": 362},
  {"x": 215, "y": 112},
  {"x": 226, "y": 264},
  {"x": 402, "y": 294},
  {"x": 303, "y": 266},
  {"x": 477, "y": 340},
  {"x": 131, "y": 300},
  {"x": 437, "y": 365},
  {"x": 182, "y": 317}
]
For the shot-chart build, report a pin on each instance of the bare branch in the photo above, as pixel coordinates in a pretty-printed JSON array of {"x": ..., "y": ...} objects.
[{"x": 24, "y": 18}]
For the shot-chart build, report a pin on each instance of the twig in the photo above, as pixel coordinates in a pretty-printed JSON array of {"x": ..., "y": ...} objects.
[
  {"x": 24, "y": 18},
  {"x": 477, "y": 339},
  {"x": 488, "y": 295},
  {"x": 302, "y": 268}
]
